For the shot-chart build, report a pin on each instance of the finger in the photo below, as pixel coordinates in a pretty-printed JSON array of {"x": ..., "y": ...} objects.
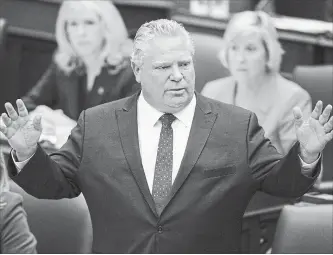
[
  {"x": 3, "y": 129},
  {"x": 317, "y": 110},
  {"x": 6, "y": 120},
  {"x": 329, "y": 136},
  {"x": 11, "y": 111},
  {"x": 37, "y": 122},
  {"x": 298, "y": 117},
  {"x": 328, "y": 125},
  {"x": 22, "y": 110},
  {"x": 323, "y": 118}
]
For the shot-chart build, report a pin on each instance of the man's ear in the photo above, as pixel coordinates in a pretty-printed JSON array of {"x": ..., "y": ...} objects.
[{"x": 137, "y": 72}]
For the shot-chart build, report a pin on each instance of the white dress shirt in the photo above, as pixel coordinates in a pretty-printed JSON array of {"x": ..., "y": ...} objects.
[{"x": 149, "y": 128}]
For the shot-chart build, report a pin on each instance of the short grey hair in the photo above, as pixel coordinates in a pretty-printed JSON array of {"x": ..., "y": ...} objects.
[{"x": 150, "y": 30}]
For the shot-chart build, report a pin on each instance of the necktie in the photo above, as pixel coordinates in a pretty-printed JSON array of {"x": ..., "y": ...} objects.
[{"x": 164, "y": 160}]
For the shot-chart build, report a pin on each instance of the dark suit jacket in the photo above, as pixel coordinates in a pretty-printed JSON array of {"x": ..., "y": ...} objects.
[
  {"x": 58, "y": 90},
  {"x": 226, "y": 161},
  {"x": 15, "y": 235}
]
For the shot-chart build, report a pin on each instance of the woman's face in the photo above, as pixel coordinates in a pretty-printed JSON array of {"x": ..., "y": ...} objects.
[
  {"x": 85, "y": 31},
  {"x": 247, "y": 57}
]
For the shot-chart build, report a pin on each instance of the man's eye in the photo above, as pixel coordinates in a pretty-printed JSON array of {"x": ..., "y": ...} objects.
[
  {"x": 163, "y": 67},
  {"x": 185, "y": 64}
]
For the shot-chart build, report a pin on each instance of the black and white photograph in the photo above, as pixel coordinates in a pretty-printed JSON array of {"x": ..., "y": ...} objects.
[{"x": 166, "y": 126}]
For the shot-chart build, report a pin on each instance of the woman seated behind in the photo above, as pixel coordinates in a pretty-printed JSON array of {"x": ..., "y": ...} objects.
[
  {"x": 15, "y": 236},
  {"x": 253, "y": 54},
  {"x": 91, "y": 64}
]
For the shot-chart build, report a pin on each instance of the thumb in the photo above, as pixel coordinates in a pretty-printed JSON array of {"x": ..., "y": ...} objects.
[
  {"x": 37, "y": 122},
  {"x": 298, "y": 117}
]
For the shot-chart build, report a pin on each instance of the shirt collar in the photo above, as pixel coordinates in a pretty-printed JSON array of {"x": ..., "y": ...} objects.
[{"x": 152, "y": 115}]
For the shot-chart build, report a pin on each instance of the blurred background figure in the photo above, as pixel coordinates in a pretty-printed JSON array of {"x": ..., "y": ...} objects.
[
  {"x": 15, "y": 235},
  {"x": 90, "y": 66},
  {"x": 252, "y": 53}
]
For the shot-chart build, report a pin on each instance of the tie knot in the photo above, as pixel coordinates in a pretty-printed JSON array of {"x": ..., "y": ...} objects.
[{"x": 167, "y": 119}]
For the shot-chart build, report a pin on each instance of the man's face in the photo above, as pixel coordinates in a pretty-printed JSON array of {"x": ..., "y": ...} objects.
[{"x": 167, "y": 74}]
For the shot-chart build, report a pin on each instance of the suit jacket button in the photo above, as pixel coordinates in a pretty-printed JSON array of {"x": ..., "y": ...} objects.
[{"x": 160, "y": 229}]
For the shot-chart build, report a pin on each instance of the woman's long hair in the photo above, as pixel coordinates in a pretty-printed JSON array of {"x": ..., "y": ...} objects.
[{"x": 117, "y": 47}]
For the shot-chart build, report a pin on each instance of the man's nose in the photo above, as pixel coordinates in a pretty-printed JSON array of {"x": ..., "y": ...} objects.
[{"x": 176, "y": 74}]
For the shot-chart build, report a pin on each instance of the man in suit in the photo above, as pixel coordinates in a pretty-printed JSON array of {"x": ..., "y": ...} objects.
[{"x": 165, "y": 170}]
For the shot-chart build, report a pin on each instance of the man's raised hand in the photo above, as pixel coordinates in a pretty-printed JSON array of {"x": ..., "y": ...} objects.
[
  {"x": 21, "y": 131},
  {"x": 313, "y": 134}
]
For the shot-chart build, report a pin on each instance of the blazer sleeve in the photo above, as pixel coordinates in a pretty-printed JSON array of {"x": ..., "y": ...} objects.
[
  {"x": 15, "y": 233},
  {"x": 44, "y": 92},
  {"x": 286, "y": 130},
  {"x": 53, "y": 176},
  {"x": 275, "y": 174}
]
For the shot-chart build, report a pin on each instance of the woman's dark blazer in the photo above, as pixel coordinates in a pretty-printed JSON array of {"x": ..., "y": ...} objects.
[
  {"x": 59, "y": 90},
  {"x": 14, "y": 230}
]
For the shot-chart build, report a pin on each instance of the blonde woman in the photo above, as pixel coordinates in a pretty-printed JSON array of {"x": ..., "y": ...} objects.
[
  {"x": 91, "y": 64},
  {"x": 253, "y": 54},
  {"x": 15, "y": 235}
]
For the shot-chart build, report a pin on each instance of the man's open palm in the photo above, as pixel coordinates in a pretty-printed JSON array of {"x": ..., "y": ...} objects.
[
  {"x": 22, "y": 132},
  {"x": 314, "y": 133}
]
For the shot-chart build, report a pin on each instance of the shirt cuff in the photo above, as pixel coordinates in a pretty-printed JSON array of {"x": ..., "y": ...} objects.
[
  {"x": 19, "y": 165},
  {"x": 307, "y": 169}
]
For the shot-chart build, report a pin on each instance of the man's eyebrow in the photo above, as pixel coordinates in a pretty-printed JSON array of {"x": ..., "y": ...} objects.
[
  {"x": 185, "y": 60},
  {"x": 161, "y": 63},
  {"x": 169, "y": 62}
]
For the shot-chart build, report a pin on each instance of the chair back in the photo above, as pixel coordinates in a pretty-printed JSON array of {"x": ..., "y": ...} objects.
[
  {"x": 3, "y": 39},
  {"x": 207, "y": 65},
  {"x": 304, "y": 229},
  {"x": 3, "y": 36},
  {"x": 60, "y": 226}
]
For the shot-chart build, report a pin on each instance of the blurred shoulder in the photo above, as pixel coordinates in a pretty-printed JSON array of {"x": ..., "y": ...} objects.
[
  {"x": 213, "y": 88},
  {"x": 111, "y": 107},
  {"x": 55, "y": 68},
  {"x": 55, "y": 71},
  {"x": 226, "y": 110},
  {"x": 15, "y": 232},
  {"x": 290, "y": 90}
]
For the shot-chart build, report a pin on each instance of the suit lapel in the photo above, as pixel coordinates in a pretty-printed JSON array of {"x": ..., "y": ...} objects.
[
  {"x": 202, "y": 124},
  {"x": 128, "y": 128}
]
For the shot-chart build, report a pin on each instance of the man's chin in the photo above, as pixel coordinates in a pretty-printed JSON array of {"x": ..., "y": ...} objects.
[{"x": 176, "y": 105}]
